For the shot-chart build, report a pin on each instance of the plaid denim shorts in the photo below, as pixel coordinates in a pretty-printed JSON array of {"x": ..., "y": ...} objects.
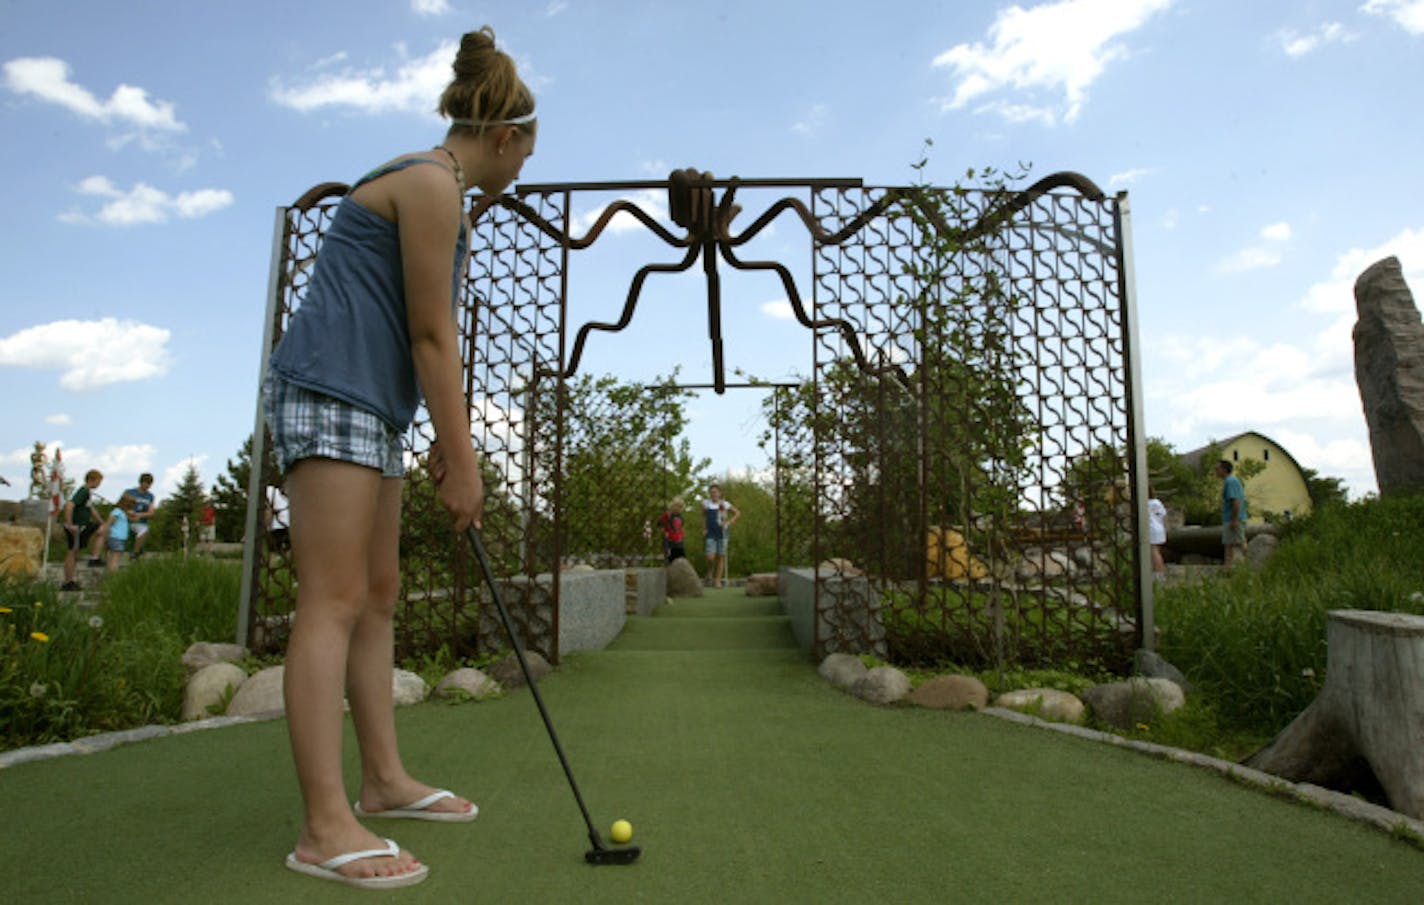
[{"x": 306, "y": 424}]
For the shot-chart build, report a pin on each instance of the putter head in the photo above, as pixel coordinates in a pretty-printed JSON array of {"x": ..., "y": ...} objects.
[{"x": 602, "y": 855}]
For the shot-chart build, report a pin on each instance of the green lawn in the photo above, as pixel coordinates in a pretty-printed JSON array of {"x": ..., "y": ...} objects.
[{"x": 746, "y": 777}]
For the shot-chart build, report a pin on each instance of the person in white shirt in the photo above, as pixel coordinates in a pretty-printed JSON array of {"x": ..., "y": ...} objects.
[{"x": 1156, "y": 531}]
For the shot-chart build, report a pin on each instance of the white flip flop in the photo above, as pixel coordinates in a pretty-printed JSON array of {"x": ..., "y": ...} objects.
[
  {"x": 420, "y": 810},
  {"x": 326, "y": 870}
]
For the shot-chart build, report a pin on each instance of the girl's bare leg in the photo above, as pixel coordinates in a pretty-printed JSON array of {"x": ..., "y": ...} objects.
[
  {"x": 334, "y": 507},
  {"x": 385, "y": 783}
]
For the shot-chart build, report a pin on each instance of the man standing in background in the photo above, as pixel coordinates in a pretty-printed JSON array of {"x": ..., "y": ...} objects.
[{"x": 1233, "y": 512}]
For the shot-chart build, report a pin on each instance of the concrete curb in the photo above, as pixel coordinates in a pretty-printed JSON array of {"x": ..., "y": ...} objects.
[
  {"x": 92, "y": 744},
  {"x": 1345, "y": 805}
]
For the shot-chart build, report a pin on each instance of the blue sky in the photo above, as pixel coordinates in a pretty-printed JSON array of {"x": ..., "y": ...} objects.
[{"x": 1271, "y": 151}]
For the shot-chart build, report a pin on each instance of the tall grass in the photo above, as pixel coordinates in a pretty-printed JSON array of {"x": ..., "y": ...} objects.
[
  {"x": 66, "y": 671},
  {"x": 1253, "y": 642}
]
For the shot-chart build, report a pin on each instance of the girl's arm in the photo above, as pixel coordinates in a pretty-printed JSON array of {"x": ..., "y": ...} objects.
[{"x": 429, "y": 213}]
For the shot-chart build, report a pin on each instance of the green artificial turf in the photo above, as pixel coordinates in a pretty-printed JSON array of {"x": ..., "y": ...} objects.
[{"x": 746, "y": 778}]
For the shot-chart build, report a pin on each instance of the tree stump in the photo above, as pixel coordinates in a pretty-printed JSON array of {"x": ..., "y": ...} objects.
[{"x": 1371, "y": 709}]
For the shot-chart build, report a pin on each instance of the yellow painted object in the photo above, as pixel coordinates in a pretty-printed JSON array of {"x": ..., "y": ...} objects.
[
  {"x": 21, "y": 548},
  {"x": 949, "y": 557}
]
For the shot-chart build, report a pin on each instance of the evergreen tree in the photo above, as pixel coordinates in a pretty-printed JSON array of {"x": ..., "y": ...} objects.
[
  {"x": 229, "y": 494},
  {"x": 165, "y": 527}
]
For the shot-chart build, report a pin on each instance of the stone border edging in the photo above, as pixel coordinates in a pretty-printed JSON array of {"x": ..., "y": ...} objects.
[
  {"x": 93, "y": 744},
  {"x": 1338, "y": 802}
]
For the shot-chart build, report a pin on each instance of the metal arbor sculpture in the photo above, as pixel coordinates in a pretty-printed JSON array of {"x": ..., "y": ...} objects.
[{"x": 969, "y": 437}]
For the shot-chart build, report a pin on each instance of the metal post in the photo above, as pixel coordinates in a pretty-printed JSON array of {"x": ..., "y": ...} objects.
[
  {"x": 256, "y": 484},
  {"x": 1136, "y": 430}
]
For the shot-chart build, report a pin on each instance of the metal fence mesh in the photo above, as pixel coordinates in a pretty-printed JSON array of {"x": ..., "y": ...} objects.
[{"x": 963, "y": 440}]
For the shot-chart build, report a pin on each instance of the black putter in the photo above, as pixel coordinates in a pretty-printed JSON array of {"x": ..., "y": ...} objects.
[{"x": 600, "y": 853}]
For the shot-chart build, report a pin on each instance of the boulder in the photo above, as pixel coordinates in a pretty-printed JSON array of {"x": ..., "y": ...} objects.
[
  {"x": 682, "y": 579},
  {"x": 1137, "y": 700},
  {"x": 207, "y": 688},
  {"x": 507, "y": 672},
  {"x": 1389, "y": 370},
  {"x": 1043, "y": 565},
  {"x": 838, "y": 566},
  {"x": 762, "y": 584},
  {"x": 205, "y": 653},
  {"x": 882, "y": 685},
  {"x": 1154, "y": 666},
  {"x": 260, "y": 694},
  {"x": 21, "y": 549},
  {"x": 1046, "y": 703},
  {"x": 1261, "y": 548},
  {"x": 407, "y": 688},
  {"x": 842, "y": 670},
  {"x": 468, "y": 681},
  {"x": 950, "y": 693}
]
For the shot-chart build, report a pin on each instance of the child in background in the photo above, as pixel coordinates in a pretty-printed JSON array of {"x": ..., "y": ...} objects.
[
  {"x": 118, "y": 529},
  {"x": 673, "y": 536}
]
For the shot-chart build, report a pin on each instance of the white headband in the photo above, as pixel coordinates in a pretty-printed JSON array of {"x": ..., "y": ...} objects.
[{"x": 475, "y": 123}]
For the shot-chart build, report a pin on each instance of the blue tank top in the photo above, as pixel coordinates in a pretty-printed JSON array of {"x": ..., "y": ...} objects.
[{"x": 349, "y": 338}]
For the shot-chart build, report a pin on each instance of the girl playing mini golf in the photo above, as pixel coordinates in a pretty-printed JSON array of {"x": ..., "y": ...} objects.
[{"x": 375, "y": 329}]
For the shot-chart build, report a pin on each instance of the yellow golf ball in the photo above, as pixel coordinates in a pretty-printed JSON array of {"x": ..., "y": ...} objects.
[{"x": 621, "y": 831}]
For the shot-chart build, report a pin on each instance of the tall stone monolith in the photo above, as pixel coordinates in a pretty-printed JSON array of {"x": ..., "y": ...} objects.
[{"x": 1389, "y": 369}]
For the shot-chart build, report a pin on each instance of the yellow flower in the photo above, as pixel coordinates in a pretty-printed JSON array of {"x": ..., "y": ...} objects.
[
  {"x": 41, "y": 637},
  {"x": 39, "y": 604},
  {"x": 5, "y": 609},
  {"x": 1144, "y": 727}
]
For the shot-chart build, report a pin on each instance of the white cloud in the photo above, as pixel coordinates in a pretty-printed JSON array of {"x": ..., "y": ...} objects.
[
  {"x": 1128, "y": 177},
  {"x": 90, "y": 354},
  {"x": 1336, "y": 294},
  {"x": 652, "y": 201},
  {"x": 1257, "y": 257},
  {"x": 172, "y": 477},
  {"x": 1054, "y": 48},
  {"x": 1407, "y": 14},
  {"x": 1296, "y": 395},
  {"x": 780, "y": 309},
  {"x": 430, "y": 7},
  {"x": 1296, "y": 44},
  {"x": 1276, "y": 232},
  {"x": 145, "y": 204},
  {"x": 1171, "y": 218},
  {"x": 413, "y": 87},
  {"x": 555, "y": 7},
  {"x": 812, "y": 122},
  {"x": 59, "y": 418},
  {"x": 47, "y": 78}
]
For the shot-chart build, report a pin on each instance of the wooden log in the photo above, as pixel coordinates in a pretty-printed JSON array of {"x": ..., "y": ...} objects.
[{"x": 1371, "y": 709}]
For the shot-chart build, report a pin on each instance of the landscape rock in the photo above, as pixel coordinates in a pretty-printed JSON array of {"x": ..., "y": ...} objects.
[
  {"x": 207, "y": 688},
  {"x": 205, "y": 653},
  {"x": 1043, "y": 565},
  {"x": 507, "y": 672},
  {"x": 842, "y": 670},
  {"x": 261, "y": 693},
  {"x": 682, "y": 579},
  {"x": 882, "y": 685},
  {"x": 1045, "y": 703},
  {"x": 839, "y": 566},
  {"x": 950, "y": 693},
  {"x": 1137, "y": 700},
  {"x": 1261, "y": 548},
  {"x": 470, "y": 681},
  {"x": 762, "y": 584},
  {"x": 1389, "y": 370},
  {"x": 407, "y": 688},
  {"x": 1154, "y": 666}
]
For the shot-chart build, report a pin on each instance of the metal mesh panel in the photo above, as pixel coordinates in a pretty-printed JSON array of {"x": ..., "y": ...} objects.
[{"x": 964, "y": 440}]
